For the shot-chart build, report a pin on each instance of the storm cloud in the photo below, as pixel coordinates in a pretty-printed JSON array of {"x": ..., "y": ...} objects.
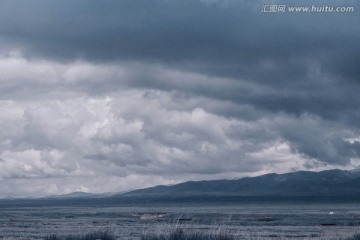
[{"x": 136, "y": 93}]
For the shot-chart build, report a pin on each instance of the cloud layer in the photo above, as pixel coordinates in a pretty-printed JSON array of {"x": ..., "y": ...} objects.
[{"x": 128, "y": 94}]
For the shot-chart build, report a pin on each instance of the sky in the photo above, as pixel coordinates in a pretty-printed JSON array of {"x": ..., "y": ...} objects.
[{"x": 114, "y": 95}]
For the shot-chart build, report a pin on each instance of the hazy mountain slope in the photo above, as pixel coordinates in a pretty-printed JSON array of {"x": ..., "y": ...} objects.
[{"x": 302, "y": 183}]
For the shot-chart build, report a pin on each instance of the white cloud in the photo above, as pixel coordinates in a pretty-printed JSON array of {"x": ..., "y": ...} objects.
[{"x": 64, "y": 135}]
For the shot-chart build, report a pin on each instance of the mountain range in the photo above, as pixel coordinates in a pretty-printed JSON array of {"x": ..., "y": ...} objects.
[
  {"x": 329, "y": 185},
  {"x": 301, "y": 183}
]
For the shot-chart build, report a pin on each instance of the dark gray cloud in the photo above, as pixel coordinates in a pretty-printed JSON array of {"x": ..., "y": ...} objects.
[
  {"x": 163, "y": 91},
  {"x": 303, "y": 57}
]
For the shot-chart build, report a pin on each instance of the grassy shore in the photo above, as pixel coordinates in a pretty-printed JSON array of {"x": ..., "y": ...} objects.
[
  {"x": 177, "y": 234},
  {"x": 97, "y": 235}
]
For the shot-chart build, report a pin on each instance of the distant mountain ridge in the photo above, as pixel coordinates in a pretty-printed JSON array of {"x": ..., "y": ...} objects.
[
  {"x": 301, "y": 186},
  {"x": 74, "y": 195},
  {"x": 81, "y": 195},
  {"x": 301, "y": 183}
]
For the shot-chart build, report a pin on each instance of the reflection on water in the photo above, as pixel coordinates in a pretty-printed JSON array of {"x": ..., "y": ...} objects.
[{"x": 265, "y": 221}]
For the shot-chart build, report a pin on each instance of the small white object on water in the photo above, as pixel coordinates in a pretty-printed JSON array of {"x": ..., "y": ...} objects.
[
  {"x": 148, "y": 216},
  {"x": 331, "y": 213}
]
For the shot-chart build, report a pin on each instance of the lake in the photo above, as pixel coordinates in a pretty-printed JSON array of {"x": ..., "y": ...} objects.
[{"x": 244, "y": 220}]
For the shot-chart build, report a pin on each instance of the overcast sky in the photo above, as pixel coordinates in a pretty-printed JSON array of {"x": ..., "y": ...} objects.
[{"x": 107, "y": 96}]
